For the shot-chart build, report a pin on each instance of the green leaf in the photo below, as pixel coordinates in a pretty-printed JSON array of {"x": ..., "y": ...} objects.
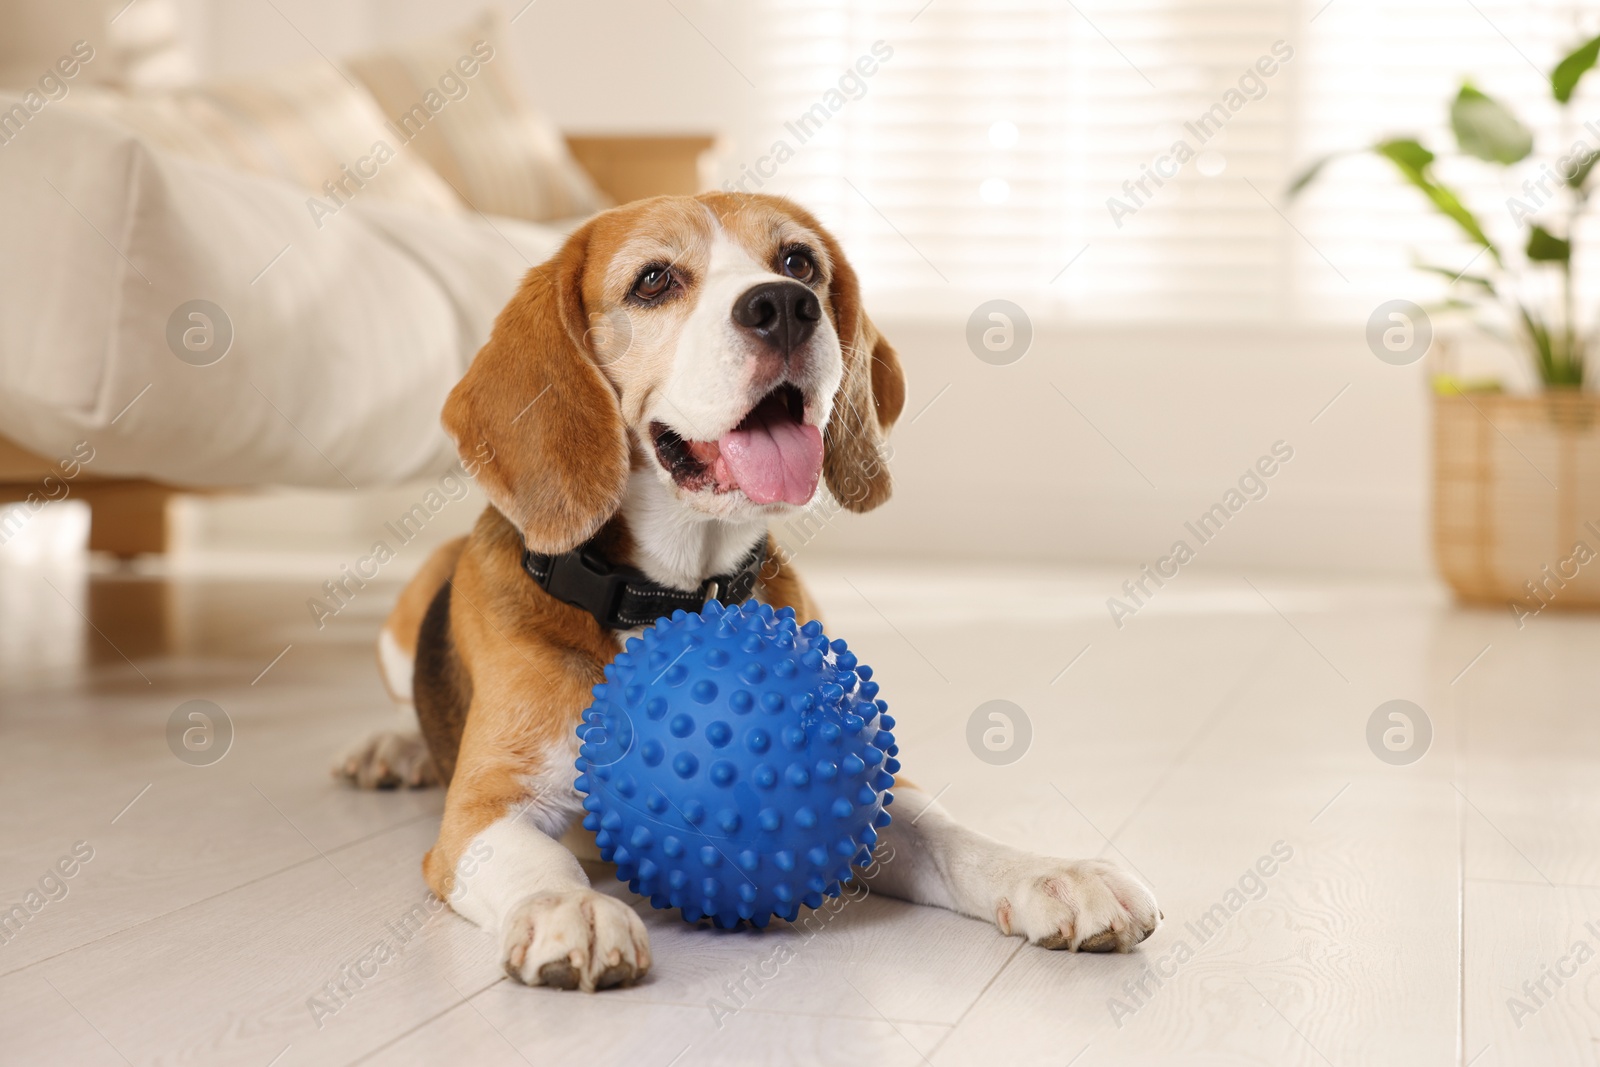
[
  {"x": 1310, "y": 174},
  {"x": 1444, "y": 307},
  {"x": 1564, "y": 79},
  {"x": 1405, "y": 152},
  {"x": 1457, "y": 276},
  {"x": 1412, "y": 160},
  {"x": 1486, "y": 128},
  {"x": 1543, "y": 356},
  {"x": 1581, "y": 175},
  {"x": 1546, "y": 247}
]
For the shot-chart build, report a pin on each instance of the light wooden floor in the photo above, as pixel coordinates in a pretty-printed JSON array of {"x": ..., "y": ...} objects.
[{"x": 1227, "y": 718}]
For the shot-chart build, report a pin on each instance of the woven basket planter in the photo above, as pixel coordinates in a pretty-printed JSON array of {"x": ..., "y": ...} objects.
[{"x": 1516, "y": 499}]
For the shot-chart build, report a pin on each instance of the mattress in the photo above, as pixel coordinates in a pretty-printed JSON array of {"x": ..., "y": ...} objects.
[{"x": 208, "y": 327}]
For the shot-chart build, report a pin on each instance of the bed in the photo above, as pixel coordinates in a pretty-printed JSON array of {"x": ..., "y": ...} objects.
[{"x": 224, "y": 286}]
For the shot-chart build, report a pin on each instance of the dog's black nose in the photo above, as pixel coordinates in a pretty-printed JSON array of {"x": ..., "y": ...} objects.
[{"x": 782, "y": 314}]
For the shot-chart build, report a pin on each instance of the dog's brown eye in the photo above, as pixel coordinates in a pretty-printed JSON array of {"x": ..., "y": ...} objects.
[
  {"x": 653, "y": 282},
  {"x": 799, "y": 265}
]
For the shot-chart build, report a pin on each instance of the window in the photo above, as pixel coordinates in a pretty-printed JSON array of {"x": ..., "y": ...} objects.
[{"x": 982, "y": 155}]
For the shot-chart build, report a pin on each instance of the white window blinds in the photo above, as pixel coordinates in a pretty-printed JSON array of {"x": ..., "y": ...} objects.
[{"x": 998, "y": 142}]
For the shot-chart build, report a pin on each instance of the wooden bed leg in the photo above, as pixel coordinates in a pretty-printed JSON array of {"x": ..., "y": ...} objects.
[{"x": 127, "y": 519}]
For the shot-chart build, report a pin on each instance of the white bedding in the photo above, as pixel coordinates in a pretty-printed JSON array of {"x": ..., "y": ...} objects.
[{"x": 345, "y": 338}]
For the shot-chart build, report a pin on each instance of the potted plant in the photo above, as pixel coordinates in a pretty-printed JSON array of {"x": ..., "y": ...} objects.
[{"x": 1516, "y": 493}]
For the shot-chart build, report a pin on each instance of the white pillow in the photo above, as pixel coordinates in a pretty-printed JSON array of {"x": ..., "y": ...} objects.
[
  {"x": 345, "y": 339},
  {"x": 455, "y": 100},
  {"x": 307, "y": 123},
  {"x": 133, "y": 44}
]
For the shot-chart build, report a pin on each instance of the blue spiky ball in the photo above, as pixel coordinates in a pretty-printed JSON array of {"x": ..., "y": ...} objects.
[{"x": 736, "y": 765}]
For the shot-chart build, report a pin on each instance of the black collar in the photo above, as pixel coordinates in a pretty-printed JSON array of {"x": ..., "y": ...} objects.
[{"x": 621, "y": 598}]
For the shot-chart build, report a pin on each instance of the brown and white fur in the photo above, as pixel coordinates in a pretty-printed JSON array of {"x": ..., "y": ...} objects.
[{"x": 568, "y": 415}]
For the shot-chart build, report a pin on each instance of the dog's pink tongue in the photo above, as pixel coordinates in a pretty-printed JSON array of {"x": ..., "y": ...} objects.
[{"x": 773, "y": 457}]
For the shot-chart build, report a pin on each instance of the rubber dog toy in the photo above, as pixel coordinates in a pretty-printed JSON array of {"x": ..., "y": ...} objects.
[{"x": 736, "y": 765}]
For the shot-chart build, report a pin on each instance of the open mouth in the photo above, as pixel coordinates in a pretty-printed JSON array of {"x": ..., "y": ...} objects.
[{"x": 771, "y": 456}]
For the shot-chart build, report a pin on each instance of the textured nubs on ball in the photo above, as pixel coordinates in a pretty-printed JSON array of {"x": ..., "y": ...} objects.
[{"x": 736, "y": 765}]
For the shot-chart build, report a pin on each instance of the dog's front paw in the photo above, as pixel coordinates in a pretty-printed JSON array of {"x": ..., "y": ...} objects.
[
  {"x": 1086, "y": 906},
  {"x": 388, "y": 759},
  {"x": 578, "y": 939}
]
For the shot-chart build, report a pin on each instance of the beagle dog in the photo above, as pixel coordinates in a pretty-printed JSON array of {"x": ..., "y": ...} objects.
[{"x": 682, "y": 372}]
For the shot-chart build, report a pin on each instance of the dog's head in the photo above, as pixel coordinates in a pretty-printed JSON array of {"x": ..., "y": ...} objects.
[{"x": 718, "y": 341}]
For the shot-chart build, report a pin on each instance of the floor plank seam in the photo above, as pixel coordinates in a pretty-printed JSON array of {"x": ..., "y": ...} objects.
[
  {"x": 636, "y": 997},
  {"x": 214, "y": 896},
  {"x": 986, "y": 987},
  {"x": 430, "y": 1020},
  {"x": 1216, "y": 715}
]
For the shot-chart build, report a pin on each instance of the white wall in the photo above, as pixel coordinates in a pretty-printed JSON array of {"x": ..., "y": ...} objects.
[{"x": 1002, "y": 463}]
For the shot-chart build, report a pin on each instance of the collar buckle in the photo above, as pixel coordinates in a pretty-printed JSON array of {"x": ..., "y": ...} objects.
[
  {"x": 621, "y": 598},
  {"x": 586, "y": 581}
]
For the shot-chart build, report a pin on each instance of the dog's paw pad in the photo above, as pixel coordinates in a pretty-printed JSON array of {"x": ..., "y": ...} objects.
[
  {"x": 387, "y": 760},
  {"x": 1085, "y": 906},
  {"x": 579, "y": 939}
]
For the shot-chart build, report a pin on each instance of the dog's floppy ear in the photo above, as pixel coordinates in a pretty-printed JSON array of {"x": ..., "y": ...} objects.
[
  {"x": 534, "y": 418},
  {"x": 856, "y": 460}
]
